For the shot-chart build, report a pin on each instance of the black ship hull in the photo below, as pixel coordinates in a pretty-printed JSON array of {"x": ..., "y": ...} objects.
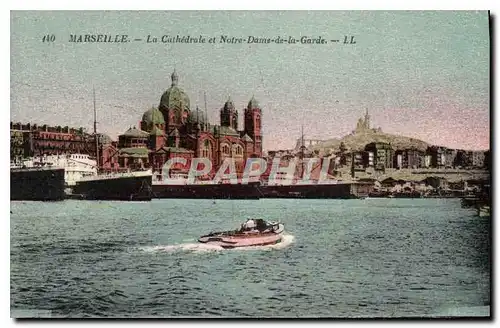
[
  {"x": 208, "y": 191},
  {"x": 258, "y": 191},
  {"x": 130, "y": 188},
  {"x": 37, "y": 184},
  {"x": 313, "y": 191}
]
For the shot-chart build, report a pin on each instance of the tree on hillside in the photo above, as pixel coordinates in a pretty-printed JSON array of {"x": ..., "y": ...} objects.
[
  {"x": 342, "y": 148},
  {"x": 342, "y": 153}
]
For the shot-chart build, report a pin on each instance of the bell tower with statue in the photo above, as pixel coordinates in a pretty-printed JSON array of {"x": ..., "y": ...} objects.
[
  {"x": 363, "y": 124},
  {"x": 367, "y": 120}
]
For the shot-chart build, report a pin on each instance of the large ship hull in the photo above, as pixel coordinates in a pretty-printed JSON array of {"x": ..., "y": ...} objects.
[
  {"x": 208, "y": 191},
  {"x": 316, "y": 191},
  {"x": 130, "y": 188},
  {"x": 37, "y": 184}
]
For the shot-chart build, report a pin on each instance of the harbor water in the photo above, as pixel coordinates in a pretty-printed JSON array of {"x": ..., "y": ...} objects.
[{"x": 339, "y": 258}]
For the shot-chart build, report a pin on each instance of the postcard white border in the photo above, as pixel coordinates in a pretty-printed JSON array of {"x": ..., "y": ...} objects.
[{"x": 196, "y": 5}]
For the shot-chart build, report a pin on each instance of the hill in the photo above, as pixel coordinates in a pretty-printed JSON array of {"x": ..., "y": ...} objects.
[{"x": 359, "y": 140}]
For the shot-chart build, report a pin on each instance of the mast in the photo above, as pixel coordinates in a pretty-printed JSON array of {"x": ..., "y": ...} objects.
[
  {"x": 302, "y": 148},
  {"x": 206, "y": 114},
  {"x": 302, "y": 141},
  {"x": 95, "y": 132},
  {"x": 198, "y": 126}
]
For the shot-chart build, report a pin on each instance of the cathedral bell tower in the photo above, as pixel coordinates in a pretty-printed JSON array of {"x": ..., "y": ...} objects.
[
  {"x": 228, "y": 115},
  {"x": 253, "y": 125}
]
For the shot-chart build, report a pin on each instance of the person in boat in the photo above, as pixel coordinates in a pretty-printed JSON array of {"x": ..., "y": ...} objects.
[
  {"x": 249, "y": 225},
  {"x": 261, "y": 225}
]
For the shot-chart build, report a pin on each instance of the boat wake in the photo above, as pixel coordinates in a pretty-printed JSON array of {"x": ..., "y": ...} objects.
[{"x": 287, "y": 240}]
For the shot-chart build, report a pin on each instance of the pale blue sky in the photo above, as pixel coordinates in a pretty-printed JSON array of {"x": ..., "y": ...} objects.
[{"x": 420, "y": 74}]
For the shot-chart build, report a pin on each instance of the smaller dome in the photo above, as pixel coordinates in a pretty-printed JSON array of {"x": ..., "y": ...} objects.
[
  {"x": 104, "y": 139},
  {"x": 153, "y": 116},
  {"x": 197, "y": 116},
  {"x": 253, "y": 103},
  {"x": 229, "y": 104},
  {"x": 136, "y": 133}
]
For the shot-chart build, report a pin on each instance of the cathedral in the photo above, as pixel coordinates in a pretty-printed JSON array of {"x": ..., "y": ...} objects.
[{"x": 174, "y": 129}]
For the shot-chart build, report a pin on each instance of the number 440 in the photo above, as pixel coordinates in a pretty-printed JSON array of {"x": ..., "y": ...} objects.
[{"x": 49, "y": 38}]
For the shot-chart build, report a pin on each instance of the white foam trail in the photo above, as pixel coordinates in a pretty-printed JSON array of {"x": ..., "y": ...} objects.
[
  {"x": 286, "y": 241},
  {"x": 193, "y": 247}
]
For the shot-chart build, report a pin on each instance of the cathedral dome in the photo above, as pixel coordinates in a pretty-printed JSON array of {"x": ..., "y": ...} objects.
[
  {"x": 135, "y": 133},
  {"x": 229, "y": 104},
  {"x": 153, "y": 117},
  {"x": 253, "y": 103},
  {"x": 175, "y": 97},
  {"x": 197, "y": 117}
]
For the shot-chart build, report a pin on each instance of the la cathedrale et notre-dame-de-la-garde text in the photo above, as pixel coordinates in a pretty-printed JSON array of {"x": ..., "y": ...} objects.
[{"x": 124, "y": 38}]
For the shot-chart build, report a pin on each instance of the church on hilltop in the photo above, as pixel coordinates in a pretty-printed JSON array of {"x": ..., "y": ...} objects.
[
  {"x": 363, "y": 125},
  {"x": 175, "y": 129}
]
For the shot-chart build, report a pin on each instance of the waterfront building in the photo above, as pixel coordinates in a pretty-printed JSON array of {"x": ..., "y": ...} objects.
[
  {"x": 369, "y": 159},
  {"x": 438, "y": 156},
  {"x": 427, "y": 160},
  {"x": 462, "y": 159},
  {"x": 383, "y": 154},
  {"x": 478, "y": 159},
  {"x": 17, "y": 145},
  {"x": 28, "y": 140},
  {"x": 471, "y": 159},
  {"x": 359, "y": 160},
  {"x": 449, "y": 157},
  {"x": 398, "y": 160},
  {"x": 487, "y": 160},
  {"x": 409, "y": 159}
]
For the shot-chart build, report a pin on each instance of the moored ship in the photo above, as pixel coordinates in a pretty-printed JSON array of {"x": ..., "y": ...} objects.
[
  {"x": 36, "y": 180},
  {"x": 84, "y": 181},
  {"x": 179, "y": 187},
  {"x": 310, "y": 191},
  {"x": 128, "y": 186}
]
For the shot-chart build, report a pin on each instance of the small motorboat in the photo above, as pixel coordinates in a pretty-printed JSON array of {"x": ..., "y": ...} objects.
[{"x": 265, "y": 233}]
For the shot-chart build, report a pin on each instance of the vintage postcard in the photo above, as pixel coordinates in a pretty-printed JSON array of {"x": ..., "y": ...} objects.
[{"x": 250, "y": 164}]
